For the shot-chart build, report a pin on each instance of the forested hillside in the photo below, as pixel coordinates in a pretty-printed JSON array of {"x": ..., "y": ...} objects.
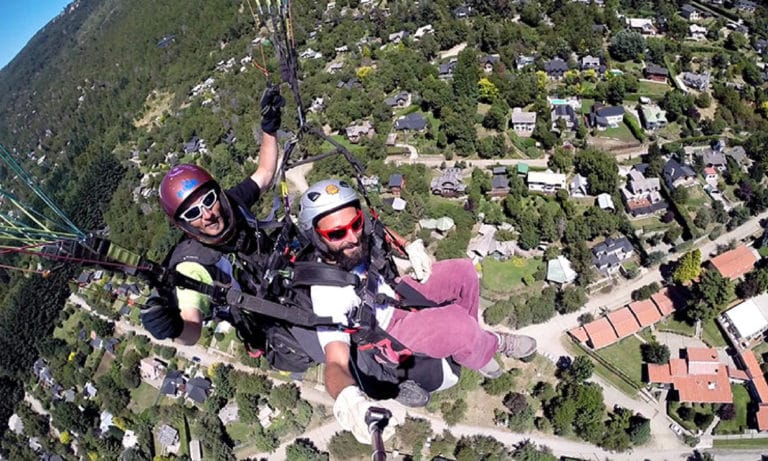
[{"x": 71, "y": 108}]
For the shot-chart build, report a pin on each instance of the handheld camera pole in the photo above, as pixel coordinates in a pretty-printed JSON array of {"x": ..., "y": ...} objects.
[{"x": 377, "y": 419}]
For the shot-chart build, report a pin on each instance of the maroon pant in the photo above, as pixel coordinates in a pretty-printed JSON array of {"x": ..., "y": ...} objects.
[{"x": 451, "y": 330}]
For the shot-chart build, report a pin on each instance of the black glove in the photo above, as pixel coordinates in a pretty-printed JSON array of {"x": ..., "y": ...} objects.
[
  {"x": 161, "y": 318},
  {"x": 271, "y": 109}
]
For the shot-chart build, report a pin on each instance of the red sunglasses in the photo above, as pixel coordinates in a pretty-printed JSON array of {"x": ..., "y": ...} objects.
[{"x": 337, "y": 233}]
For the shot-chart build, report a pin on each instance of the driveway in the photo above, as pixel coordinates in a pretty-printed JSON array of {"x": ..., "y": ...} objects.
[{"x": 675, "y": 342}]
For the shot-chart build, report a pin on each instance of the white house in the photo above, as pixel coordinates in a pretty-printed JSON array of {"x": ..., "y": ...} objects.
[
  {"x": 546, "y": 182},
  {"x": 523, "y": 123}
]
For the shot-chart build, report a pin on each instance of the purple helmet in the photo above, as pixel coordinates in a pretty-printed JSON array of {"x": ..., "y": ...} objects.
[{"x": 178, "y": 185}]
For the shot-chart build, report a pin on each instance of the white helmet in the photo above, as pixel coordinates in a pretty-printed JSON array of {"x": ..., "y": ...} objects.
[{"x": 323, "y": 198}]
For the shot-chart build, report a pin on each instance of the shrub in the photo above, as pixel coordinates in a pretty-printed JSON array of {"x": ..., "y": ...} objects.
[{"x": 634, "y": 127}]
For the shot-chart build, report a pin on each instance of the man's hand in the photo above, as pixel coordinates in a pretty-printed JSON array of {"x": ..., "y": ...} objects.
[
  {"x": 420, "y": 260},
  {"x": 350, "y": 409},
  {"x": 271, "y": 109},
  {"x": 161, "y": 319}
]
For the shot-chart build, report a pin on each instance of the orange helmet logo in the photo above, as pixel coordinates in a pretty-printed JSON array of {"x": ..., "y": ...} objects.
[{"x": 332, "y": 189}]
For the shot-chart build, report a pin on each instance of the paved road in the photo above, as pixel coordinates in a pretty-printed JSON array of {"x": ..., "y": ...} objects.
[
  {"x": 412, "y": 149},
  {"x": 549, "y": 333},
  {"x": 435, "y": 161}
]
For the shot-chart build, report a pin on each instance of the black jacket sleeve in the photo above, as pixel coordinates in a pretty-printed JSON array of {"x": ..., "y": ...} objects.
[{"x": 246, "y": 193}]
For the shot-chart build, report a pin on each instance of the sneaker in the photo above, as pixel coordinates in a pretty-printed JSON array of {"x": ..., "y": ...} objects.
[
  {"x": 412, "y": 395},
  {"x": 516, "y": 346},
  {"x": 490, "y": 370}
]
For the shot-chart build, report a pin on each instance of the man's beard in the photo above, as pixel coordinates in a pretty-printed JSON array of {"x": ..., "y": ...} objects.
[{"x": 347, "y": 261}]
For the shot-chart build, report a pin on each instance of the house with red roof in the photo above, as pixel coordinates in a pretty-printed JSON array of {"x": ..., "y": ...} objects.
[
  {"x": 735, "y": 263},
  {"x": 600, "y": 333},
  {"x": 645, "y": 312},
  {"x": 700, "y": 377},
  {"x": 623, "y": 322},
  {"x": 579, "y": 334},
  {"x": 664, "y": 302},
  {"x": 762, "y": 417},
  {"x": 758, "y": 387}
]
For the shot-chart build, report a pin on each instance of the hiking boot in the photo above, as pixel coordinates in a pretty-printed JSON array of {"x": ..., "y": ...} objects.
[
  {"x": 490, "y": 370},
  {"x": 516, "y": 346},
  {"x": 412, "y": 395}
]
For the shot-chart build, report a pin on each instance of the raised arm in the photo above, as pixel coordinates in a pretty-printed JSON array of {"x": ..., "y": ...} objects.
[
  {"x": 271, "y": 114},
  {"x": 265, "y": 172}
]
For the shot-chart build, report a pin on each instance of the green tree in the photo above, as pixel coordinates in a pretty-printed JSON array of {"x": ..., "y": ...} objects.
[
  {"x": 521, "y": 412},
  {"x": 600, "y": 169},
  {"x": 502, "y": 384},
  {"x": 626, "y": 45},
  {"x": 466, "y": 76},
  {"x": 581, "y": 369},
  {"x": 529, "y": 451},
  {"x": 453, "y": 412},
  {"x": 654, "y": 352},
  {"x": 413, "y": 432},
  {"x": 304, "y": 450},
  {"x": 714, "y": 289},
  {"x": 688, "y": 267},
  {"x": 572, "y": 298}
]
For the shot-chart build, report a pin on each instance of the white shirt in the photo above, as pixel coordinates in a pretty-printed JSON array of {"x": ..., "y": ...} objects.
[{"x": 337, "y": 302}]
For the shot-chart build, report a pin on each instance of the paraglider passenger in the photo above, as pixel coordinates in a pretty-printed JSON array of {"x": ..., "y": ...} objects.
[{"x": 331, "y": 216}]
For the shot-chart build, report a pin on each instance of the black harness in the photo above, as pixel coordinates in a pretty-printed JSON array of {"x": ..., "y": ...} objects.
[{"x": 272, "y": 308}]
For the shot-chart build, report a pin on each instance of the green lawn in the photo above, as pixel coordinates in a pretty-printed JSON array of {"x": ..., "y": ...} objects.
[
  {"x": 739, "y": 423},
  {"x": 142, "y": 397},
  {"x": 223, "y": 345},
  {"x": 501, "y": 276},
  {"x": 601, "y": 369},
  {"x": 711, "y": 334},
  {"x": 621, "y": 132},
  {"x": 697, "y": 199},
  {"x": 760, "y": 350},
  {"x": 675, "y": 326},
  {"x": 745, "y": 444},
  {"x": 647, "y": 334},
  {"x": 649, "y": 224},
  {"x": 239, "y": 432},
  {"x": 652, "y": 90},
  {"x": 68, "y": 331},
  {"x": 625, "y": 355}
]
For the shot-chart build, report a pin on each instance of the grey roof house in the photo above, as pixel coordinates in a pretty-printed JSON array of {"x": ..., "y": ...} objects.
[
  {"x": 677, "y": 175},
  {"x": 602, "y": 117},
  {"x": 499, "y": 186},
  {"x": 449, "y": 184},
  {"x": 197, "y": 389},
  {"x": 400, "y": 100},
  {"x": 579, "y": 186},
  {"x": 555, "y": 68},
  {"x": 445, "y": 71},
  {"x": 564, "y": 112},
  {"x": 590, "y": 62},
  {"x": 608, "y": 255},
  {"x": 411, "y": 122},
  {"x": 689, "y": 12},
  {"x": 696, "y": 81}
]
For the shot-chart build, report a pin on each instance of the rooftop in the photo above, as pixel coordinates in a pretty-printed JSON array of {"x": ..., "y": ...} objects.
[
  {"x": 600, "y": 333},
  {"x": 756, "y": 375},
  {"x": 750, "y": 317},
  {"x": 734, "y": 263},
  {"x": 623, "y": 322},
  {"x": 645, "y": 312},
  {"x": 664, "y": 302}
]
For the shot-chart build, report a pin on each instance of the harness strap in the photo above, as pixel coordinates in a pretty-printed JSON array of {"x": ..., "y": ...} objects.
[
  {"x": 276, "y": 311},
  {"x": 308, "y": 273}
]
